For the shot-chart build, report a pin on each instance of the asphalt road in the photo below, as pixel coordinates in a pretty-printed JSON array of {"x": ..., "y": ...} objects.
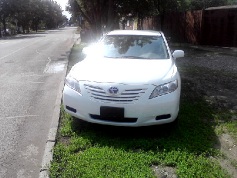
[{"x": 31, "y": 69}]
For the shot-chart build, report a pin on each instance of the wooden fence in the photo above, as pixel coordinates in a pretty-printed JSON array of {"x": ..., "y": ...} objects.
[{"x": 213, "y": 26}]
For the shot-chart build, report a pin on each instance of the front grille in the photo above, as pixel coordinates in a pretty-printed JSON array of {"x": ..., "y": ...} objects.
[{"x": 127, "y": 96}]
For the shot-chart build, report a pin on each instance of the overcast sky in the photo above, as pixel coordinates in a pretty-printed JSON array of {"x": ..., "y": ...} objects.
[{"x": 63, "y": 3}]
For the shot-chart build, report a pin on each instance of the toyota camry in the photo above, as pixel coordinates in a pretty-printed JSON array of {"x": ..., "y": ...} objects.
[{"x": 128, "y": 78}]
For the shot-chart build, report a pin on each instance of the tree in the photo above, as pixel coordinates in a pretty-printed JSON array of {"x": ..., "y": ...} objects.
[
  {"x": 135, "y": 9},
  {"x": 107, "y": 13},
  {"x": 37, "y": 13},
  {"x": 161, "y": 7},
  {"x": 232, "y": 2},
  {"x": 6, "y": 11},
  {"x": 203, "y": 4},
  {"x": 30, "y": 13},
  {"x": 74, "y": 9},
  {"x": 98, "y": 13},
  {"x": 53, "y": 14},
  {"x": 22, "y": 13}
]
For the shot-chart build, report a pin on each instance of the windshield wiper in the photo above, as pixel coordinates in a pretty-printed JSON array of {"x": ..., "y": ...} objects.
[
  {"x": 111, "y": 57},
  {"x": 126, "y": 57},
  {"x": 133, "y": 57}
]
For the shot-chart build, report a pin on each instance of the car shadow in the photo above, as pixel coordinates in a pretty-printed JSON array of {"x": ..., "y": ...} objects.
[
  {"x": 193, "y": 133},
  {"x": 123, "y": 132}
]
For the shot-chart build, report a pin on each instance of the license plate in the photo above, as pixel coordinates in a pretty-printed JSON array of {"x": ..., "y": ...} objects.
[{"x": 111, "y": 112}]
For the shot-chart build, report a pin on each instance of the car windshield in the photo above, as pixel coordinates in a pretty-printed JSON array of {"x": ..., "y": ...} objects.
[{"x": 134, "y": 47}]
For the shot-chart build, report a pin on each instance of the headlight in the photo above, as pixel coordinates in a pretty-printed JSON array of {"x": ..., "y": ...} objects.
[
  {"x": 164, "y": 89},
  {"x": 73, "y": 84}
]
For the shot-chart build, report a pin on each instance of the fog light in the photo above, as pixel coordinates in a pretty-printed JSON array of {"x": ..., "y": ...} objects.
[
  {"x": 161, "y": 117},
  {"x": 71, "y": 109}
]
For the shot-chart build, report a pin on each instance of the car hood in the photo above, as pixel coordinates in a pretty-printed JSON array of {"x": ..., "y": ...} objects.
[{"x": 130, "y": 71}]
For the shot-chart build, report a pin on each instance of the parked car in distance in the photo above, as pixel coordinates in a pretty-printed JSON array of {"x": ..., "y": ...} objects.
[{"x": 129, "y": 78}]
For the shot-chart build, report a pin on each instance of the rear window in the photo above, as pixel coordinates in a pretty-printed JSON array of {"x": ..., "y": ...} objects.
[{"x": 134, "y": 47}]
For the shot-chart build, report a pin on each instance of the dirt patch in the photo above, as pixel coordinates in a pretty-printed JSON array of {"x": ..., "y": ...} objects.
[
  {"x": 213, "y": 76},
  {"x": 229, "y": 149},
  {"x": 164, "y": 172}
]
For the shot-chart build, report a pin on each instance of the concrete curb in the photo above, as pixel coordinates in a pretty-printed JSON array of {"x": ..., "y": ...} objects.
[{"x": 51, "y": 140}]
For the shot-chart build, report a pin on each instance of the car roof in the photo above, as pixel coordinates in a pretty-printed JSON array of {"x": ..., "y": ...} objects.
[{"x": 135, "y": 32}]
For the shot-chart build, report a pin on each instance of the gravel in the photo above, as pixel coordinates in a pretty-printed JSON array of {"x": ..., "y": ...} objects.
[{"x": 211, "y": 73}]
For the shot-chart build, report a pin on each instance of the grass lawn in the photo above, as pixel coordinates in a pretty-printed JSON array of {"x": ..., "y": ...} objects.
[{"x": 88, "y": 150}]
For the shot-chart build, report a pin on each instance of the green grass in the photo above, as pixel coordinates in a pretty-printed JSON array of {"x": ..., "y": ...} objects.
[
  {"x": 232, "y": 128},
  {"x": 89, "y": 150},
  {"x": 223, "y": 117},
  {"x": 226, "y": 125}
]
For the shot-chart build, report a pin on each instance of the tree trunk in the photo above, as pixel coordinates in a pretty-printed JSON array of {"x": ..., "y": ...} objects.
[
  {"x": 110, "y": 23},
  {"x": 4, "y": 26},
  {"x": 23, "y": 29}
]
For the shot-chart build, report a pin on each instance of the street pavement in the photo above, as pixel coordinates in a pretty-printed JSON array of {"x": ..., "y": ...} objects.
[{"x": 32, "y": 68}]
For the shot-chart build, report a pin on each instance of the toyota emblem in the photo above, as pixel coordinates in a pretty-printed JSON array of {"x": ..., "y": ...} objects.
[{"x": 113, "y": 90}]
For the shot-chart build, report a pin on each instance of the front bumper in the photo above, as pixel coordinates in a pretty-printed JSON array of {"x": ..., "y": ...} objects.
[{"x": 142, "y": 112}]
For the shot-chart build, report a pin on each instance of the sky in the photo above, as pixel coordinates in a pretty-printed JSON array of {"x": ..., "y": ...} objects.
[{"x": 63, "y": 3}]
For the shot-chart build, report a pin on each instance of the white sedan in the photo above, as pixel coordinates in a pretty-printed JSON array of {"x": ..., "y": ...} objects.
[{"x": 129, "y": 78}]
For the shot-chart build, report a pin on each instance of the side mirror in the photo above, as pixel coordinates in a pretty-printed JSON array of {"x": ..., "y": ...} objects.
[
  {"x": 178, "y": 54},
  {"x": 86, "y": 50}
]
